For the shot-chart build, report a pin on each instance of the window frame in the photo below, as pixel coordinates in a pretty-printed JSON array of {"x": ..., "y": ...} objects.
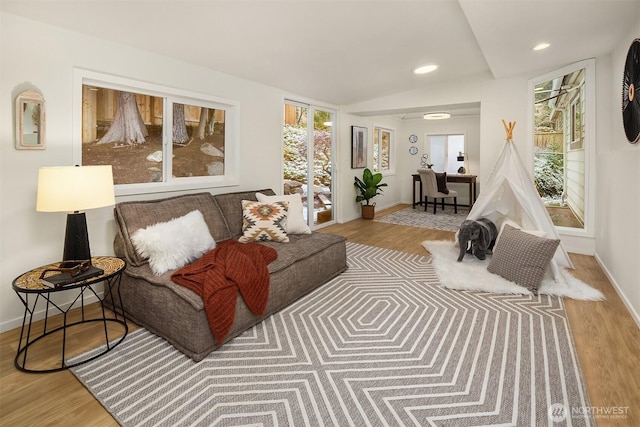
[
  {"x": 311, "y": 109},
  {"x": 447, "y": 154},
  {"x": 375, "y": 147},
  {"x": 169, "y": 96},
  {"x": 576, "y": 124}
]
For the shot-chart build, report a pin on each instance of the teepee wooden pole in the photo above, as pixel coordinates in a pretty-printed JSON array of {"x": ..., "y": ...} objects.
[{"x": 509, "y": 129}]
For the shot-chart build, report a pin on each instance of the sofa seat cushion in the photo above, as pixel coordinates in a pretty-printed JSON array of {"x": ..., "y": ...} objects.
[
  {"x": 300, "y": 246},
  {"x": 145, "y": 273}
]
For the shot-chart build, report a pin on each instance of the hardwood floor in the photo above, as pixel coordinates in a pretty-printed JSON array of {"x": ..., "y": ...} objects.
[
  {"x": 564, "y": 217},
  {"x": 31, "y": 399},
  {"x": 606, "y": 338}
]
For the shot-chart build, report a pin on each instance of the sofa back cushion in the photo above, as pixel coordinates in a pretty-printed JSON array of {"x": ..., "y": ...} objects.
[
  {"x": 230, "y": 205},
  {"x": 132, "y": 216}
]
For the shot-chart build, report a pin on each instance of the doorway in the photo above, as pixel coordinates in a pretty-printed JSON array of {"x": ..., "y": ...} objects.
[
  {"x": 559, "y": 147},
  {"x": 308, "y": 146}
]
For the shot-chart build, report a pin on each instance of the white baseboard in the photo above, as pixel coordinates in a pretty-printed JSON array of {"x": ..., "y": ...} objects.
[
  {"x": 623, "y": 297},
  {"x": 578, "y": 244},
  {"x": 39, "y": 314},
  {"x": 389, "y": 205},
  {"x": 378, "y": 208}
]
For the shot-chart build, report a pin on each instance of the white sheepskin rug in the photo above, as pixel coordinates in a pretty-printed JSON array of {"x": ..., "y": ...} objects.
[{"x": 471, "y": 274}]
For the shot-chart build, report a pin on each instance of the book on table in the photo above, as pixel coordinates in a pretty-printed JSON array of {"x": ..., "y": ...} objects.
[{"x": 62, "y": 278}]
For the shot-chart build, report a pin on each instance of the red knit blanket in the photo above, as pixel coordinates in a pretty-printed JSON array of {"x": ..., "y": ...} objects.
[{"x": 218, "y": 275}]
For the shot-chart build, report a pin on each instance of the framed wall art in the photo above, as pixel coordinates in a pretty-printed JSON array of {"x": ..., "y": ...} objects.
[
  {"x": 30, "y": 121},
  {"x": 358, "y": 147}
]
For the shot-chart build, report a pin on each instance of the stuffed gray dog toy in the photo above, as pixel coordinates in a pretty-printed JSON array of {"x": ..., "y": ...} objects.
[{"x": 482, "y": 235}]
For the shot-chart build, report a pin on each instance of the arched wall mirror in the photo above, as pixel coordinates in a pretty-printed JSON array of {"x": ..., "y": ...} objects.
[
  {"x": 562, "y": 119},
  {"x": 30, "y": 121}
]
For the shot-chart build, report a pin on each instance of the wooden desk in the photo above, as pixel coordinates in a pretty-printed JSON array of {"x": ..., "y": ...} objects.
[{"x": 455, "y": 178}]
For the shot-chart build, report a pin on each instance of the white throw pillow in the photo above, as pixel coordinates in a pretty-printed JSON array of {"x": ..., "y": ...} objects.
[
  {"x": 295, "y": 221},
  {"x": 175, "y": 243}
]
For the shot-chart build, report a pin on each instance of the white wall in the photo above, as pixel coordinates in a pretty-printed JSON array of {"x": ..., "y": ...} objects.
[
  {"x": 348, "y": 208},
  {"x": 618, "y": 189},
  {"x": 43, "y": 57}
]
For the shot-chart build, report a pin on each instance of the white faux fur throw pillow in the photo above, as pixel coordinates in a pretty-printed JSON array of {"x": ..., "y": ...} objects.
[
  {"x": 295, "y": 221},
  {"x": 175, "y": 243}
]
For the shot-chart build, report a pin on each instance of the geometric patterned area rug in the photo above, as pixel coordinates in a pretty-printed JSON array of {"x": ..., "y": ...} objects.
[
  {"x": 444, "y": 220},
  {"x": 381, "y": 345}
]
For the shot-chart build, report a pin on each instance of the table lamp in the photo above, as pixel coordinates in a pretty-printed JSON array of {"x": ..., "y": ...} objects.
[
  {"x": 462, "y": 157},
  {"x": 73, "y": 189}
]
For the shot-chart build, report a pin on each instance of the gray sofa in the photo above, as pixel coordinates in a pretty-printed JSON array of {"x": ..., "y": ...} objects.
[{"x": 176, "y": 313}]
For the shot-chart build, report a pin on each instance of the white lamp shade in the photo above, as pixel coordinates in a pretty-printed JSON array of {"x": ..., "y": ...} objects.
[{"x": 74, "y": 188}]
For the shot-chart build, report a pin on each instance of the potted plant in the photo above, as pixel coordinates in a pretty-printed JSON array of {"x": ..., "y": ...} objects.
[{"x": 368, "y": 187}]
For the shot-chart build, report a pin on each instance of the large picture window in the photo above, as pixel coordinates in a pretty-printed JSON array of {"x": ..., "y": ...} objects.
[{"x": 156, "y": 138}]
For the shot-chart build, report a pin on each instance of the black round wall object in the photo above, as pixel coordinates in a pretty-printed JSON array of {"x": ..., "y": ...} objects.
[{"x": 631, "y": 93}]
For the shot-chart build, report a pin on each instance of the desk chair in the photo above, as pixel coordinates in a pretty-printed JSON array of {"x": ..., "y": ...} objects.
[{"x": 430, "y": 189}]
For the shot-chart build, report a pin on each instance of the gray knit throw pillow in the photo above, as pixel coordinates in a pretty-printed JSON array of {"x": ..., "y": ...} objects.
[{"x": 522, "y": 258}]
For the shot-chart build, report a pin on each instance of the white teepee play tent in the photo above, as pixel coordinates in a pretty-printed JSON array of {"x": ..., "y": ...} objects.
[{"x": 509, "y": 193}]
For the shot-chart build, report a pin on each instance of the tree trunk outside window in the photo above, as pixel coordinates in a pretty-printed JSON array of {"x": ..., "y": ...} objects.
[
  {"x": 127, "y": 125},
  {"x": 180, "y": 135}
]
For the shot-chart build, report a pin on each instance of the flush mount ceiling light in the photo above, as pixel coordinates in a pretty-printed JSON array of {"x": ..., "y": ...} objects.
[
  {"x": 541, "y": 46},
  {"x": 439, "y": 115},
  {"x": 424, "y": 69}
]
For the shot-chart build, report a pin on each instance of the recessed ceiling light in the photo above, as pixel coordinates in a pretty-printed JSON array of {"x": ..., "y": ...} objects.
[
  {"x": 438, "y": 115},
  {"x": 424, "y": 69},
  {"x": 541, "y": 46}
]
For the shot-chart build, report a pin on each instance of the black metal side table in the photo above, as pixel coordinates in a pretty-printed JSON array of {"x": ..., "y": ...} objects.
[{"x": 30, "y": 288}]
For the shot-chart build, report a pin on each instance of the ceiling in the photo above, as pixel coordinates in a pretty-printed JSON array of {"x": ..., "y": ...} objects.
[{"x": 348, "y": 51}]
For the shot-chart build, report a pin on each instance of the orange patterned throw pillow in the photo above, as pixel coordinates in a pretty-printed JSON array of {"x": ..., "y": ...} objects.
[{"x": 264, "y": 221}]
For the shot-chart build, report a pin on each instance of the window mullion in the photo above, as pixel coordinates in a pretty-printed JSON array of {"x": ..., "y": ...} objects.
[{"x": 167, "y": 136}]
